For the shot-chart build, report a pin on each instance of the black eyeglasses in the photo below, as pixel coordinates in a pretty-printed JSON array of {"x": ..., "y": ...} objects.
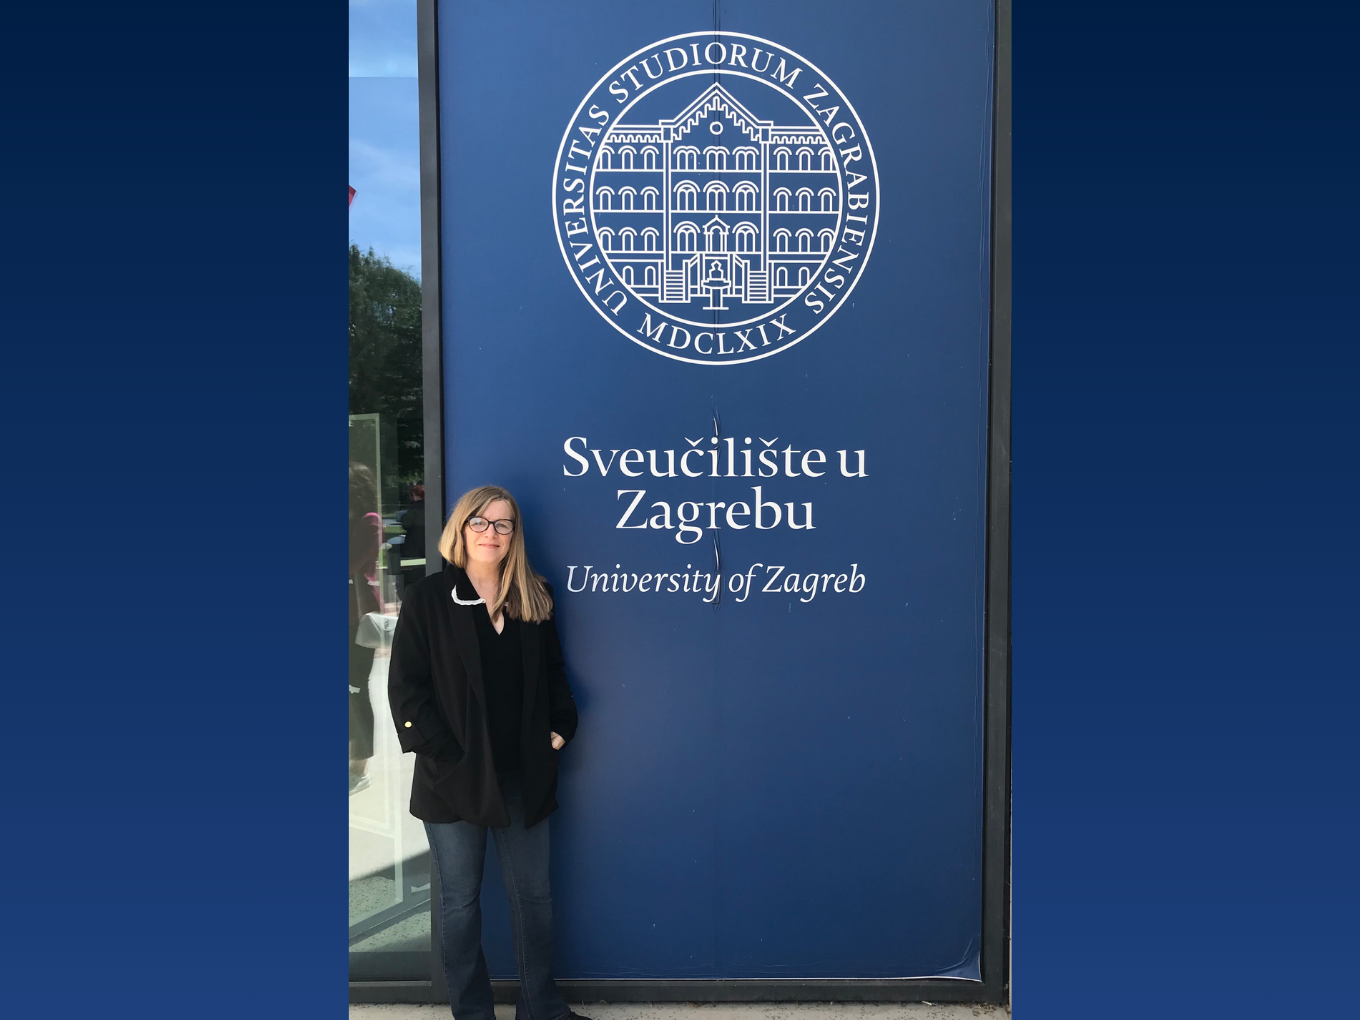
[{"x": 480, "y": 524}]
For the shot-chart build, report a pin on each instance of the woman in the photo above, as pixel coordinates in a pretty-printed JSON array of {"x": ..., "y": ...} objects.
[
  {"x": 365, "y": 539},
  {"x": 479, "y": 692}
]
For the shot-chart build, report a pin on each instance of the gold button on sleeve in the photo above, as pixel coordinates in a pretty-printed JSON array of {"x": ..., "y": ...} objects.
[{"x": 408, "y": 724}]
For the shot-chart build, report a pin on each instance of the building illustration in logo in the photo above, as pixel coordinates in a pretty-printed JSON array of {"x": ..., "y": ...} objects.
[{"x": 715, "y": 208}]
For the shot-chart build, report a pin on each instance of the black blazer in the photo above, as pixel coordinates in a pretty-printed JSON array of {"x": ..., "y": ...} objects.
[{"x": 434, "y": 687}]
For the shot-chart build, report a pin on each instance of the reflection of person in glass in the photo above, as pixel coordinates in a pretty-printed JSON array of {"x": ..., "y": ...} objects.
[
  {"x": 365, "y": 539},
  {"x": 413, "y": 546},
  {"x": 478, "y": 690}
]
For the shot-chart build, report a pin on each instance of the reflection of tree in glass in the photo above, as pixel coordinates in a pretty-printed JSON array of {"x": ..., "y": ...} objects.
[{"x": 385, "y": 354}]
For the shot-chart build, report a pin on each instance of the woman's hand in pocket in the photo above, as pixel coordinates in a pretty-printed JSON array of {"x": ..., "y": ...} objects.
[{"x": 446, "y": 749}]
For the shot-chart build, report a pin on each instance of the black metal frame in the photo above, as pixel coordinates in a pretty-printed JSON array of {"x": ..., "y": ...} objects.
[
  {"x": 995, "y": 954},
  {"x": 432, "y": 368}
]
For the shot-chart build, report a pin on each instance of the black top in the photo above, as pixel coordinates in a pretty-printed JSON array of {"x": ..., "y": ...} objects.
[{"x": 503, "y": 678}]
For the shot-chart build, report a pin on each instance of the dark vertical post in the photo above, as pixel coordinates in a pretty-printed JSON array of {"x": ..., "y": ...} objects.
[
  {"x": 996, "y": 779},
  {"x": 430, "y": 311},
  {"x": 427, "y": 43}
]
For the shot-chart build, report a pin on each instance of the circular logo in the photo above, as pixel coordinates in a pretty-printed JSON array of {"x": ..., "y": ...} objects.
[{"x": 716, "y": 198}]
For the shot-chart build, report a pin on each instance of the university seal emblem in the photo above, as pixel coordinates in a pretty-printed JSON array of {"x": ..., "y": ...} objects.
[{"x": 716, "y": 198}]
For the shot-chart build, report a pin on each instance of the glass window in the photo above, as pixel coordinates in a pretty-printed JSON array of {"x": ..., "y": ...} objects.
[{"x": 389, "y": 865}]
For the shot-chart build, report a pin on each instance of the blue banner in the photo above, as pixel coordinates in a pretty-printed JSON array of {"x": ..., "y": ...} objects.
[{"x": 715, "y": 298}]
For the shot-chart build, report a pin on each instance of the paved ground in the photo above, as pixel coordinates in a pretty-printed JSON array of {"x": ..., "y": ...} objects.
[{"x": 744, "y": 1011}]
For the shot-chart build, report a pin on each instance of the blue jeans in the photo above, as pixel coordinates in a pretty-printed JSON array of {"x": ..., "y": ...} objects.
[{"x": 458, "y": 850}]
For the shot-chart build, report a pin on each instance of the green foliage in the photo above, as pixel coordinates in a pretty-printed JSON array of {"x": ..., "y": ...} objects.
[{"x": 385, "y": 370}]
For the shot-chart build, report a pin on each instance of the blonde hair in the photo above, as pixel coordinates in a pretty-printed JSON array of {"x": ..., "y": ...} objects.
[{"x": 523, "y": 594}]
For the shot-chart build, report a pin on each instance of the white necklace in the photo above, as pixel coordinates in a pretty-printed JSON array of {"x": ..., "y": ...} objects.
[{"x": 464, "y": 602}]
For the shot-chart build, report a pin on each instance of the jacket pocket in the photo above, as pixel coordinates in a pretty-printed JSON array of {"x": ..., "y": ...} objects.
[{"x": 448, "y": 775}]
